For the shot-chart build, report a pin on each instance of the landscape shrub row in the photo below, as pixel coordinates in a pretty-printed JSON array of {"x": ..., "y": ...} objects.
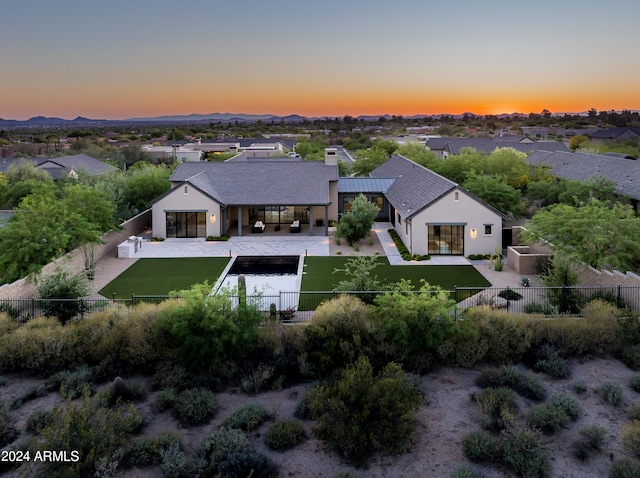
[{"x": 402, "y": 249}]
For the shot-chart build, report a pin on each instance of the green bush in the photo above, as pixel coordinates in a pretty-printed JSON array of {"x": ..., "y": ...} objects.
[
  {"x": 174, "y": 461},
  {"x": 72, "y": 383},
  {"x": 535, "y": 308},
  {"x": 497, "y": 407},
  {"x": 93, "y": 431},
  {"x": 625, "y": 468},
  {"x": 464, "y": 471},
  {"x": 31, "y": 394},
  {"x": 593, "y": 435},
  {"x": 479, "y": 446},
  {"x": 285, "y": 434},
  {"x": 507, "y": 336},
  {"x": 147, "y": 451},
  {"x": 8, "y": 432},
  {"x": 580, "y": 386},
  {"x": 635, "y": 382},
  {"x": 631, "y": 437},
  {"x": 203, "y": 328},
  {"x": 12, "y": 311},
  {"x": 611, "y": 392},
  {"x": 462, "y": 348},
  {"x": 247, "y": 418},
  {"x": 526, "y": 385},
  {"x": 524, "y": 450},
  {"x": 247, "y": 462},
  {"x": 633, "y": 413},
  {"x": 339, "y": 333},
  {"x": 555, "y": 366},
  {"x": 195, "y": 406},
  {"x": 38, "y": 419},
  {"x": 360, "y": 413},
  {"x": 551, "y": 417},
  {"x": 413, "y": 324},
  {"x": 62, "y": 285},
  {"x": 631, "y": 357},
  {"x": 135, "y": 391},
  {"x": 170, "y": 375},
  {"x": 567, "y": 404}
]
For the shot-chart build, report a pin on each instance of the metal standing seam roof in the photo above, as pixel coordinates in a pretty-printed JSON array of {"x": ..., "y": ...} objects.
[
  {"x": 364, "y": 185},
  {"x": 261, "y": 183},
  {"x": 624, "y": 173}
]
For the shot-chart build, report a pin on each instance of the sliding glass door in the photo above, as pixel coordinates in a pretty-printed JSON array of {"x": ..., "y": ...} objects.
[
  {"x": 183, "y": 224},
  {"x": 446, "y": 239}
]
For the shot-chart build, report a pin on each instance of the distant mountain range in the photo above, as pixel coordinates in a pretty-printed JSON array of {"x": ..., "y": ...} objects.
[{"x": 42, "y": 121}]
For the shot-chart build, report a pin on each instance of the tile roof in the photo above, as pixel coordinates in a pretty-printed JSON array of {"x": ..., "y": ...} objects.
[
  {"x": 624, "y": 173},
  {"x": 262, "y": 183},
  {"x": 488, "y": 145},
  {"x": 415, "y": 186}
]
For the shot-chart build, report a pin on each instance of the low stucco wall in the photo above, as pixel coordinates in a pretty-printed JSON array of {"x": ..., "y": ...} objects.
[
  {"x": 74, "y": 261},
  {"x": 527, "y": 260}
]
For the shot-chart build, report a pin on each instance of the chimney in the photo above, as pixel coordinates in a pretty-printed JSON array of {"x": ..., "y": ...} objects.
[{"x": 331, "y": 156}]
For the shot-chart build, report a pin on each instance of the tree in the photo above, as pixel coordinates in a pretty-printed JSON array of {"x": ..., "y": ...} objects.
[
  {"x": 417, "y": 153},
  {"x": 508, "y": 164},
  {"x": 495, "y": 192},
  {"x": 359, "y": 271},
  {"x": 592, "y": 233},
  {"x": 578, "y": 142},
  {"x": 63, "y": 285},
  {"x": 366, "y": 160},
  {"x": 356, "y": 224}
]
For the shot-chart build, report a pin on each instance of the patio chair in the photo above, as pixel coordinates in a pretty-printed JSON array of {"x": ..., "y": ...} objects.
[
  {"x": 258, "y": 227},
  {"x": 295, "y": 226}
]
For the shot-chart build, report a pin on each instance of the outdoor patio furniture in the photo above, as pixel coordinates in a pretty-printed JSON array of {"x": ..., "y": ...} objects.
[
  {"x": 295, "y": 226},
  {"x": 258, "y": 227}
]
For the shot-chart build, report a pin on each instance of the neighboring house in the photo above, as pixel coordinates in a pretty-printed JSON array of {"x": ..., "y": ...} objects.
[
  {"x": 623, "y": 172},
  {"x": 217, "y": 198},
  {"x": 434, "y": 215},
  {"x": 172, "y": 153},
  {"x": 65, "y": 166},
  {"x": 544, "y": 132},
  {"x": 443, "y": 147},
  {"x": 622, "y": 133}
]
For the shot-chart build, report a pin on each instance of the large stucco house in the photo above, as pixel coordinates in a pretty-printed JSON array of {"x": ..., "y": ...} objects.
[{"x": 432, "y": 214}]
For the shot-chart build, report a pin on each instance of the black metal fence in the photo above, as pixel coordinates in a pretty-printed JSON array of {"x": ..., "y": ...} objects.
[{"x": 299, "y": 306}]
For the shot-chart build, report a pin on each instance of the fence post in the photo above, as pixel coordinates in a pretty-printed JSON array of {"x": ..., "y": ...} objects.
[
  {"x": 133, "y": 300},
  {"x": 618, "y": 301}
]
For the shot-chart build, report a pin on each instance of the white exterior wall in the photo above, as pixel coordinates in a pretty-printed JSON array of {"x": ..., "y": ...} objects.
[
  {"x": 177, "y": 200},
  {"x": 466, "y": 210}
]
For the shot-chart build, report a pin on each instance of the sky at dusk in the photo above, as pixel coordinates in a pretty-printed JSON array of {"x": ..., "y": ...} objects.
[{"x": 140, "y": 58}]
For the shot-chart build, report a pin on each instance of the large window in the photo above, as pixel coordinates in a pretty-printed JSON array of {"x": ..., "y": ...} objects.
[
  {"x": 446, "y": 239},
  {"x": 186, "y": 224},
  {"x": 279, "y": 214}
]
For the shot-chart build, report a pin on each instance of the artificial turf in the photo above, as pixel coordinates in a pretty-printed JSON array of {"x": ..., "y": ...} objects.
[
  {"x": 161, "y": 276},
  {"x": 319, "y": 274}
]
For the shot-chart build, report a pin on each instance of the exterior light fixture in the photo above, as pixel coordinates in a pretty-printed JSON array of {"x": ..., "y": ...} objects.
[
  {"x": 474, "y": 233},
  {"x": 212, "y": 218}
]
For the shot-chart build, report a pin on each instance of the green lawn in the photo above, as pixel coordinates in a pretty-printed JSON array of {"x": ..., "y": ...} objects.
[
  {"x": 161, "y": 276},
  {"x": 319, "y": 274}
]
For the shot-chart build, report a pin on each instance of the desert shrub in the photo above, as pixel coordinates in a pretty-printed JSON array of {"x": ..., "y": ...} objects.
[
  {"x": 247, "y": 418},
  {"x": 285, "y": 434},
  {"x": 61, "y": 284},
  {"x": 202, "y": 328},
  {"x": 633, "y": 413},
  {"x": 138, "y": 347},
  {"x": 303, "y": 407},
  {"x": 147, "y": 451},
  {"x": 72, "y": 383},
  {"x": 247, "y": 462},
  {"x": 464, "y": 471},
  {"x": 535, "y": 308},
  {"x": 610, "y": 391},
  {"x": 497, "y": 408},
  {"x": 93, "y": 431},
  {"x": 525, "y": 384},
  {"x": 360, "y": 413},
  {"x": 593, "y": 436},
  {"x": 195, "y": 406},
  {"x": 413, "y": 324},
  {"x": 609, "y": 296},
  {"x": 631, "y": 357},
  {"x": 479, "y": 446},
  {"x": 506, "y": 335},
  {"x": 170, "y": 375},
  {"x": 216, "y": 447},
  {"x": 555, "y": 366},
  {"x": 580, "y": 386},
  {"x": 166, "y": 399},
  {"x": 282, "y": 347},
  {"x": 8, "y": 433},
  {"x": 524, "y": 450},
  {"x": 630, "y": 326},
  {"x": 631, "y": 437},
  {"x": 463, "y": 347},
  {"x": 38, "y": 419},
  {"x": 40, "y": 345},
  {"x": 12, "y": 311},
  {"x": 135, "y": 391},
  {"x": 625, "y": 468},
  {"x": 339, "y": 333},
  {"x": 32, "y": 393},
  {"x": 551, "y": 417},
  {"x": 174, "y": 461},
  {"x": 635, "y": 383}
]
